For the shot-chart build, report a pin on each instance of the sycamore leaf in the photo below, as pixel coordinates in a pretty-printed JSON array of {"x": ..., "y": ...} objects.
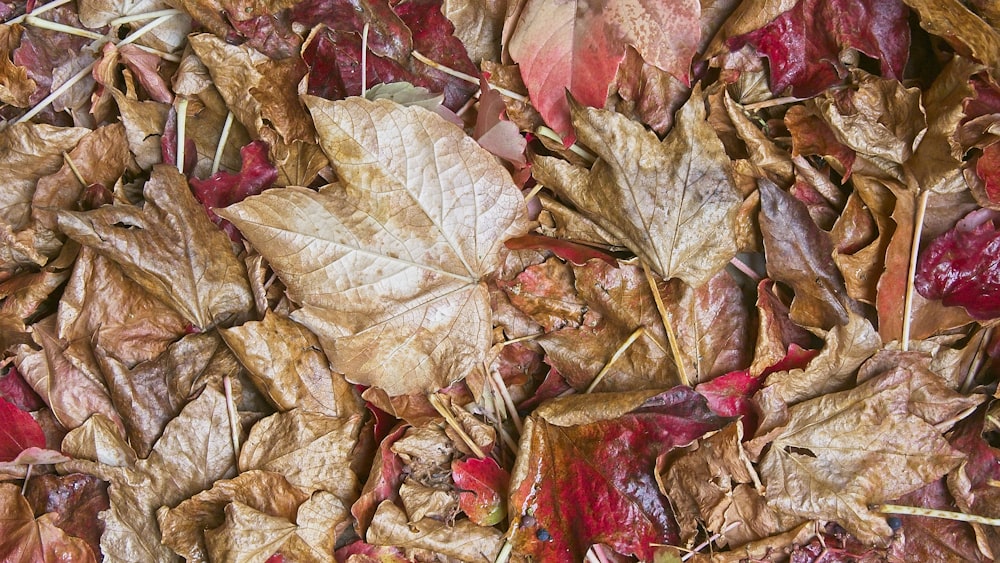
[
  {"x": 226, "y": 188},
  {"x": 965, "y": 31},
  {"x": 565, "y": 496},
  {"x": 576, "y": 46},
  {"x": 74, "y": 502},
  {"x": 195, "y": 451},
  {"x": 18, "y": 431},
  {"x": 803, "y": 44},
  {"x": 843, "y": 452},
  {"x": 673, "y": 202},
  {"x": 464, "y": 540},
  {"x": 24, "y": 539},
  {"x": 170, "y": 248},
  {"x": 389, "y": 268}
]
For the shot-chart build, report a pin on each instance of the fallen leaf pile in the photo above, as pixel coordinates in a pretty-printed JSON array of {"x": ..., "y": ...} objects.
[{"x": 499, "y": 280}]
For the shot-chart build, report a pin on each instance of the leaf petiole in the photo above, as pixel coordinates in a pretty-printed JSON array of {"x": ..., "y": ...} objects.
[
  {"x": 38, "y": 22},
  {"x": 675, "y": 349},
  {"x": 935, "y": 513},
  {"x": 38, "y": 10}
]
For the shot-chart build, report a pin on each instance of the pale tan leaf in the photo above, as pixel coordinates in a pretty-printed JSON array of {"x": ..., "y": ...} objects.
[
  {"x": 843, "y": 452},
  {"x": 171, "y": 248},
  {"x": 287, "y": 364},
  {"x": 313, "y": 451},
  {"x": 144, "y": 123},
  {"x": 673, "y": 202},
  {"x": 248, "y": 535},
  {"x": 464, "y": 540},
  {"x": 421, "y": 501},
  {"x": 195, "y": 451},
  {"x": 389, "y": 268},
  {"x": 100, "y": 440},
  {"x": 25, "y": 539},
  {"x": 183, "y": 527}
]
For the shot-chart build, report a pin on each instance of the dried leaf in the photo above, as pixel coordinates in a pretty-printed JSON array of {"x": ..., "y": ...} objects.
[
  {"x": 171, "y": 249},
  {"x": 464, "y": 541},
  {"x": 676, "y": 214},
  {"x": 286, "y": 363},
  {"x": 843, "y": 452},
  {"x": 427, "y": 235},
  {"x": 73, "y": 501},
  {"x": 25, "y": 539}
]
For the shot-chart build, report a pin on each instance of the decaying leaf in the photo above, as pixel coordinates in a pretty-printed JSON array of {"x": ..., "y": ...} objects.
[
  {"x": 464, "y": 541},
  {"x": 25, "y": 538},
  {"x": 401, "y": 249}
]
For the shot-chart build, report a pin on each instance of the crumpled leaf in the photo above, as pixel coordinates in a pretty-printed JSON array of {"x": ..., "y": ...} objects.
[
  {"x": 803, "y": 45},
  {"x": 616, "y": 303},
  {"x": 962, "y": 266},
  {"x": 936, "y": 539},
  {"x": 482, "y": 486},
  {"x": 170, "y": 248},
  {"x": 566, "y": 497},
  {"x": 971, "y": 484},
  {"x": 427, "y": 235},
  {"x": 312, "y": 451},
  {"x": 183, "y": 526},
  {"x": 464, "y": 540},
  {"x": 16, "y": 87},
  {"x": 25, "y": 539},
  {"x": 226, "y": 188},
  {"x": 73, "y": 501},
  {"x": 18, "y": 431},
  {"x": 965, "y": 31},
  {"x": 571, "y": 45},
  {"x": 286, "y": 364},
  {"x": 194, "y": 452},
  {"x": 843, "y": 452},
  {"x": 800, "y": 254},
  {"x": 678, "y": 213}
]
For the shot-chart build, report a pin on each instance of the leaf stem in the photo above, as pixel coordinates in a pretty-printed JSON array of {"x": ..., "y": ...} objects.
[
  {"x": 38, "y": 10},
  {"x": 182, "y": 107},
  {"x": 144, "y": 16},
  {"x": 74, "y": 169},
  {"x": 444, "y": 411},
  {"x": 364, "y": 59},
  {"x": 911, "y": 272},
  {"x": 745, "y": 269},
  {"x": 548, "y": 133},
  {"x": 38, "y": 22},
  {"x": 234, "y": 425},
  {"x": 507, "y": 400},
  {"x": 466, "y": 77},
  {"x": 675, "y": 349},
  {"x": 935, "y": 513},
  {"x": 27, "y": 475},
  {"x": 615, "y": 357},
  {"x": 223, "y": 141},
  {"x": 504, "y": 555},
  {"x": 708, "y": 541},
  {"x": 773, "y": 102}
]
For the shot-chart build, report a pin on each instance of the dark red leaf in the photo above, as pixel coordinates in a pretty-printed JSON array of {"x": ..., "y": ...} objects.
[
  {"x": 483, "y": 489},
  {"x": 226, "y": 188},
  {"x": 76, "y": 499},
  {"x": 18, "y": 431},
  {"x": 936, "y": 539},
  {"x": 15, "y": 389},
  {"x": 594, "y": 483},
  {"x": 567, "y": 250},
  {"x": 803, "y": 45},
  {"x": 962, "y": 266}
]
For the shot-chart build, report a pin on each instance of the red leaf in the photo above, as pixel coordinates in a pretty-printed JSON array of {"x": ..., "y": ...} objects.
[
  {"x": 15, "y": 389},
  {"x": 594, "y": 482},
  {"x": 226, "y": 188},
  {"x": 18, "y": 431},
  {"x": 570, "y": 251},
  {"x": 75, "y": 501},
  {"x": 988, "y": 168},
  {"x": 803, "y": 45},
  {"x": 578, "y": 46},
  {"x": 483, "y": 485},
  {"x": 962, "y": 266}
]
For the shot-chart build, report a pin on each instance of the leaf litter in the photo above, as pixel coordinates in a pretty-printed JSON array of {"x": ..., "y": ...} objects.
[{"x": 486, "y": 280}]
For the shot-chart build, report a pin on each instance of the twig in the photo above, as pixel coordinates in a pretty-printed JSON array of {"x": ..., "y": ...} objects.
[
  {"x": 675, "y": 349},
  {"x": 615, "y": 357},
  {"x": 223, "y": 141},
  {"x": 911, "y": 271},
  {"x": 443, "y": 410},
  {"x": 935, "y": 513}
]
